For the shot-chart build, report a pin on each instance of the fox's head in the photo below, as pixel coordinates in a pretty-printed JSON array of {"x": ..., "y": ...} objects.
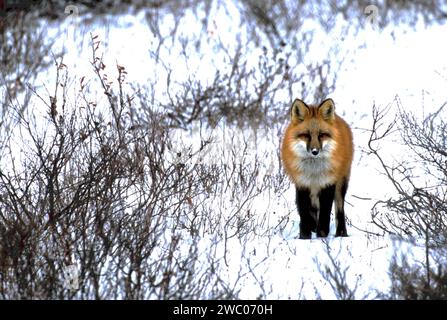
[{"x": 312, "y": 128}]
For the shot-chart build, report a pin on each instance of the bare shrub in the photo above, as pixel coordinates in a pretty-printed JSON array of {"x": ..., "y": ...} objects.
[
  {"x": 419, "y": 209},
  {"x": 409, "y": 281},
  {"x": 335, "y": 273},
  {"x": 93, "y": 189},
  {"x": 24, "y": 53},
  {"x": 94, "y": 205}
]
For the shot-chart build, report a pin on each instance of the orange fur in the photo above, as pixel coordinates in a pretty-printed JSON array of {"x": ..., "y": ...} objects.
[{"x": 341, "y": 155}]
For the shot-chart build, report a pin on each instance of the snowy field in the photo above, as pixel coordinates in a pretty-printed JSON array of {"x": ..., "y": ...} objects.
[{"x": 268, "y": 261}]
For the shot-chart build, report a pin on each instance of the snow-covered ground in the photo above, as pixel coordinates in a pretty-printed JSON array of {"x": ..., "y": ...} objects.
[{"x": 275, "y": 263}]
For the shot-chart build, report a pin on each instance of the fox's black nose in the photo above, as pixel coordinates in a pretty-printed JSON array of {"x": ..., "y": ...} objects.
[{"x": 315, "y": 152}]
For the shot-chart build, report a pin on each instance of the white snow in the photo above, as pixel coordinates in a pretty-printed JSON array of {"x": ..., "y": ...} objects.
[{"x": 273, "y": 262}]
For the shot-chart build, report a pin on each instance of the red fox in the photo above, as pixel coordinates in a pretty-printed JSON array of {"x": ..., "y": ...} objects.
[{"x": 317, "y": 152}]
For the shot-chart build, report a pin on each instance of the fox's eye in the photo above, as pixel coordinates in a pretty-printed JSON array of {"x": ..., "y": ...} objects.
[
  {"x": 303, "y": 136},
  {"x": 324, "y": 135}
]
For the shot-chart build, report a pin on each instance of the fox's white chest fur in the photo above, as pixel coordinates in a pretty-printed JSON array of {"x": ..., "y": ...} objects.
[{"x": 314, "y": 171}]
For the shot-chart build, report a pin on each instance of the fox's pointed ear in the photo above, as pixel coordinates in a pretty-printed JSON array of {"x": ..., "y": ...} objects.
[
  {"x": 327, "y": 109},
  {"x": 299, "y": 110}
]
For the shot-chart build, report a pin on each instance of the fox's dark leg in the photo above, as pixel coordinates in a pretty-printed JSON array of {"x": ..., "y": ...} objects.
[
  {"x": 307, "y": 222},
  {"x": 340, "y": 219},
  {"x": 326, "y": 198}
]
